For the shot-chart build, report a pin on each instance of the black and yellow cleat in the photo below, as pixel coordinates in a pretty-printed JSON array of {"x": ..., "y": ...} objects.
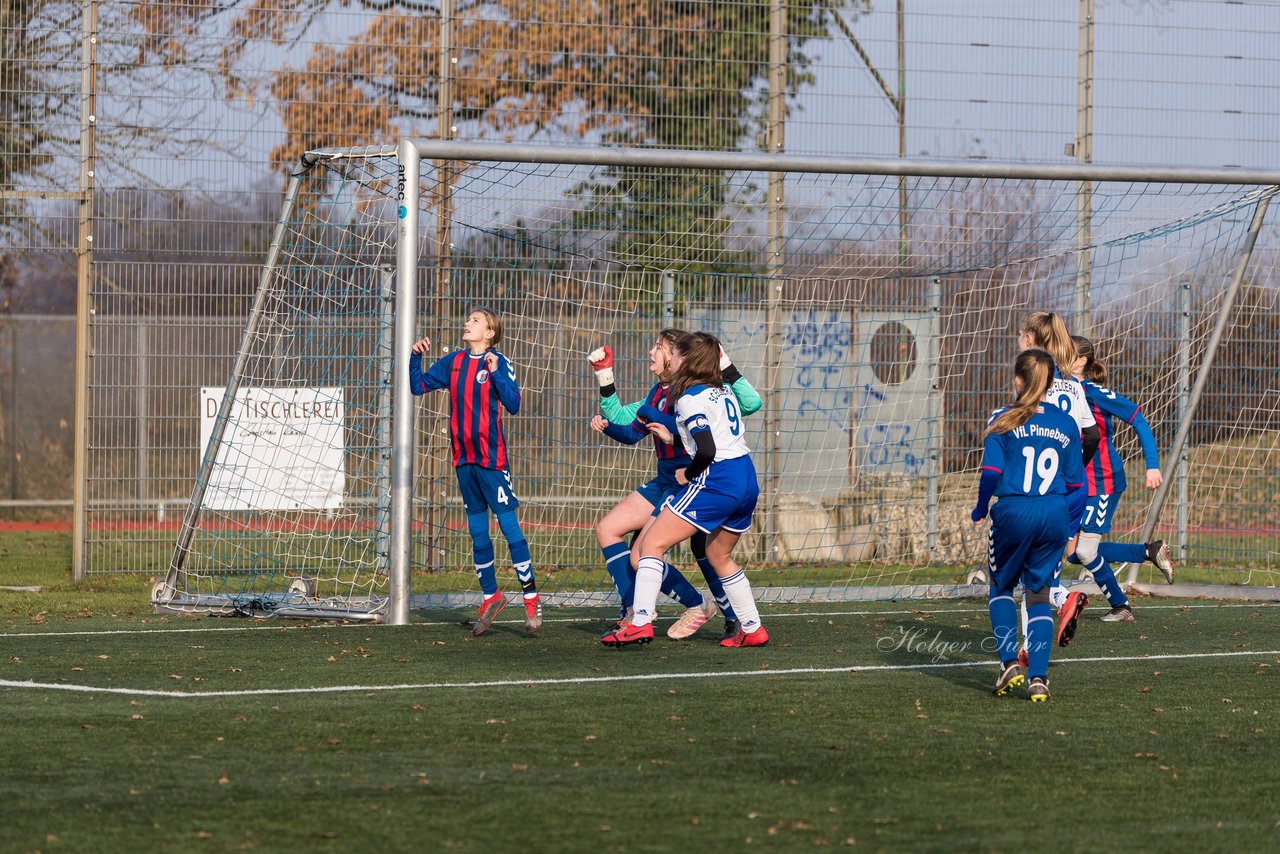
[
  {"x": 1011, "y": 676},
  {"x": 1038, "y": 690}
]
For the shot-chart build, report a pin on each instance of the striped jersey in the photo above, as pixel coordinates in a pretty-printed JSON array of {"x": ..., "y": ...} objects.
[
  {"x": 475, "y": 417},
  {"x": 657, "y": 398},
  {"x": 1105, "y": 472}
]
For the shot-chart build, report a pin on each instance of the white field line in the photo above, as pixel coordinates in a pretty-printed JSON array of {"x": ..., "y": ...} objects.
[
  {"x": 598, "y": 680},
  {"x": 463, "y": 614}
]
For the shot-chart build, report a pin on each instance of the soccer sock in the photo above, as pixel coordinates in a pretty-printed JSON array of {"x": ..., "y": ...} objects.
[
  {"x": 617, "y": 560},
  {"x": 1039, "y": 639},
  {"x": 738, "y": 589},
  {"x": 716, "y": 586},
  {"x": 1105, "y": 578},
  {"x": 1057, "y": 597},
  {"x": 675, "y": 585},
  {"x": 482, "y": 551},
  {"x": 698, "y": 545},
  {"x": 1004, "y": 623},
  {"x": 648, "y": 582},
  {"x": 520, "y": 557},
  {"x": 1123, "y": 552}
]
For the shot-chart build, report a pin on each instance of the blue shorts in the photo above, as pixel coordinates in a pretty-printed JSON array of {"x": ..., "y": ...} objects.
[
  {"x": 1026, "y": 541},
  {"x": 1099, "y": 510},
  {"x": 484, "y": 488},
  {"x": 658, "y": 490},
  {"x": 723, "y": 496}
]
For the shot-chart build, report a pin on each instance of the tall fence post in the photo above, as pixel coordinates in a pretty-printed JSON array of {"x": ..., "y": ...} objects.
[{"x": 84, "y": 289}]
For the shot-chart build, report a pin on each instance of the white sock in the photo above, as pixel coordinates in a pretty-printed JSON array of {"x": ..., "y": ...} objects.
[
  {"x": 648, "y": 584},
  {"x": 1022, "y": 609},
  {"x": 738, "y": 591},
  {"x": 1057, "y": 597}
]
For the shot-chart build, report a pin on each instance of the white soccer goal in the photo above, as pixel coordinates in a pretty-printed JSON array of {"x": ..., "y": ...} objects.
[{"x": 874, "y": 305}]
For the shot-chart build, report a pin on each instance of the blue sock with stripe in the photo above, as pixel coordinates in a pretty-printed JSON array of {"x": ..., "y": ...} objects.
[
  {"x": 520, "y": 557},
  {"x": 1039, "y": 638},
  {"x": 675, "y": 585},
  {"x": 482, "y": 552},
  {"x": 1004, "y": 623},
  {"x": 1105, "y": 578},
  {"x": 698, "y": 545},
  {"x": 617, "y": 562},
  {"x": 1123, "y": 552}
]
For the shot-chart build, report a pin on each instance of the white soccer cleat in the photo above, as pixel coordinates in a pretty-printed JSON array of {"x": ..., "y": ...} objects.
[{"x": 692, "y": 620}]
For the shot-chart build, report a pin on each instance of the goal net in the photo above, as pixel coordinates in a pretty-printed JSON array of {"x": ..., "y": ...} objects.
[{"x": 873, "y": 305}]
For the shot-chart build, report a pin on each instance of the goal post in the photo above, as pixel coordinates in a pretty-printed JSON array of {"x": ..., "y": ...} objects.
[{"x": 879, "y": 337}]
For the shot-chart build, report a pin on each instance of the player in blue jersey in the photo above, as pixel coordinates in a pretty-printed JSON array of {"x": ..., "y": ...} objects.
[
  {"x": 717, "y": 497},
  {"x": 481, "y": 383},
  {"x": 626, "y": 424},
  {"x": 1046, "y": 331},
  {"x": 1032, "y": 463},
  {"x": 1106, "y": 480}
]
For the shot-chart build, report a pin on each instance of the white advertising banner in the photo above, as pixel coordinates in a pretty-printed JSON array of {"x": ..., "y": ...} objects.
[{"x": 283, "y": 449}]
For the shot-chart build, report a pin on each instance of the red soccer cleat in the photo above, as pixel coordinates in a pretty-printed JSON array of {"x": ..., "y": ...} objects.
[
  {"x": 1070, "y": 615},
  {"x": 627, "y": 634},
  {"x": 757, "y": 638},
  {"x": 490, "y": 608},
  {"x": 1024, "y": 660}
]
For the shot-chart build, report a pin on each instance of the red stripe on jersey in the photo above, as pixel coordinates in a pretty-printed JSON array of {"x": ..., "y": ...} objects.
[
  {"x": 455, "y": 425},
  {"x": 482, "y": 403},
  {"x": 466, "y": 406},
  {"x": 1099, "y": 473}
]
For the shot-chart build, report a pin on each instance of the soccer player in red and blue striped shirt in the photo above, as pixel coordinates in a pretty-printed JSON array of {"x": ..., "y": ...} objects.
[
  {"x": 481, "y": 383},
  {"x": 1106, "y": 480}
]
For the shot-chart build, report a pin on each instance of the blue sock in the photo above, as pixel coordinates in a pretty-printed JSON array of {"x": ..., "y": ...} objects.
[
  {"x": 1105, "y": 578},
  {"x": 520, "y": 557},
  {"x": 1039, "y": 638},
  {"x": 617, "y": 560},
  {"x": 482, "y": 550},
  {"x": 1004, "y": 623},
  {"x": 716, "y": 586},
  {"x": 1123, "y": 552},
  {"x": 675, "y": 585}
]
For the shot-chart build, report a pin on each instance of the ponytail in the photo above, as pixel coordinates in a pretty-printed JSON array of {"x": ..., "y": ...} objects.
[
  {"x": 1035, "y": 369},
  {"x": 1049, "y": 332}
]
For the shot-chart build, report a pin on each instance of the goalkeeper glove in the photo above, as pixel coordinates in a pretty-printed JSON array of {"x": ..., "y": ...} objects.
[
  {"x": 602, "y": 363},
  {"x": 728, "y": 370}
]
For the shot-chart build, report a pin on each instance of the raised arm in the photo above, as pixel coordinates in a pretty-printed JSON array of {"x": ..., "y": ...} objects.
[
  {"x": 748, "y": 398},
  {"x": 436, "y": 377}
]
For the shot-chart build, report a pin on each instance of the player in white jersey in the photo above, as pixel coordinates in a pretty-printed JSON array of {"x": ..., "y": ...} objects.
[
  {"x": 718, "y": 494},
  {"x": 1046, "y": 330}
]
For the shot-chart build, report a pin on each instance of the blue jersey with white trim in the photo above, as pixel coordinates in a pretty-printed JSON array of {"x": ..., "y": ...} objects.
[
  {"x": 1042, "y": 457},
  {"x": 714, "y": 408}
]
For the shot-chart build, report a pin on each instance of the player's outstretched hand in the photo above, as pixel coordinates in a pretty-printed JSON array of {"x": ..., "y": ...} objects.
[
  {"x": 661, "y": 432},
  {"x": 601, "y": 360},
  {"x": 1154, "y": 478},
  {"x": 422, "y": 346},
  {"x": 598, "y": 424}
]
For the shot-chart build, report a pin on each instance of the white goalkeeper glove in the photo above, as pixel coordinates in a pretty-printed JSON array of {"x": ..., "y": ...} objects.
[
  {"x": 601, "y": 361},
  {"x": 725, "y": 361}
]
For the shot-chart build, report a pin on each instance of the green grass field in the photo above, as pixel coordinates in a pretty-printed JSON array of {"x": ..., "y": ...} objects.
[{"x": 868, "y": 725}]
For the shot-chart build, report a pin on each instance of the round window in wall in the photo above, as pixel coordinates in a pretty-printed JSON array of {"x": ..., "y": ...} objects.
[{"x": 893, "y": 353}]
